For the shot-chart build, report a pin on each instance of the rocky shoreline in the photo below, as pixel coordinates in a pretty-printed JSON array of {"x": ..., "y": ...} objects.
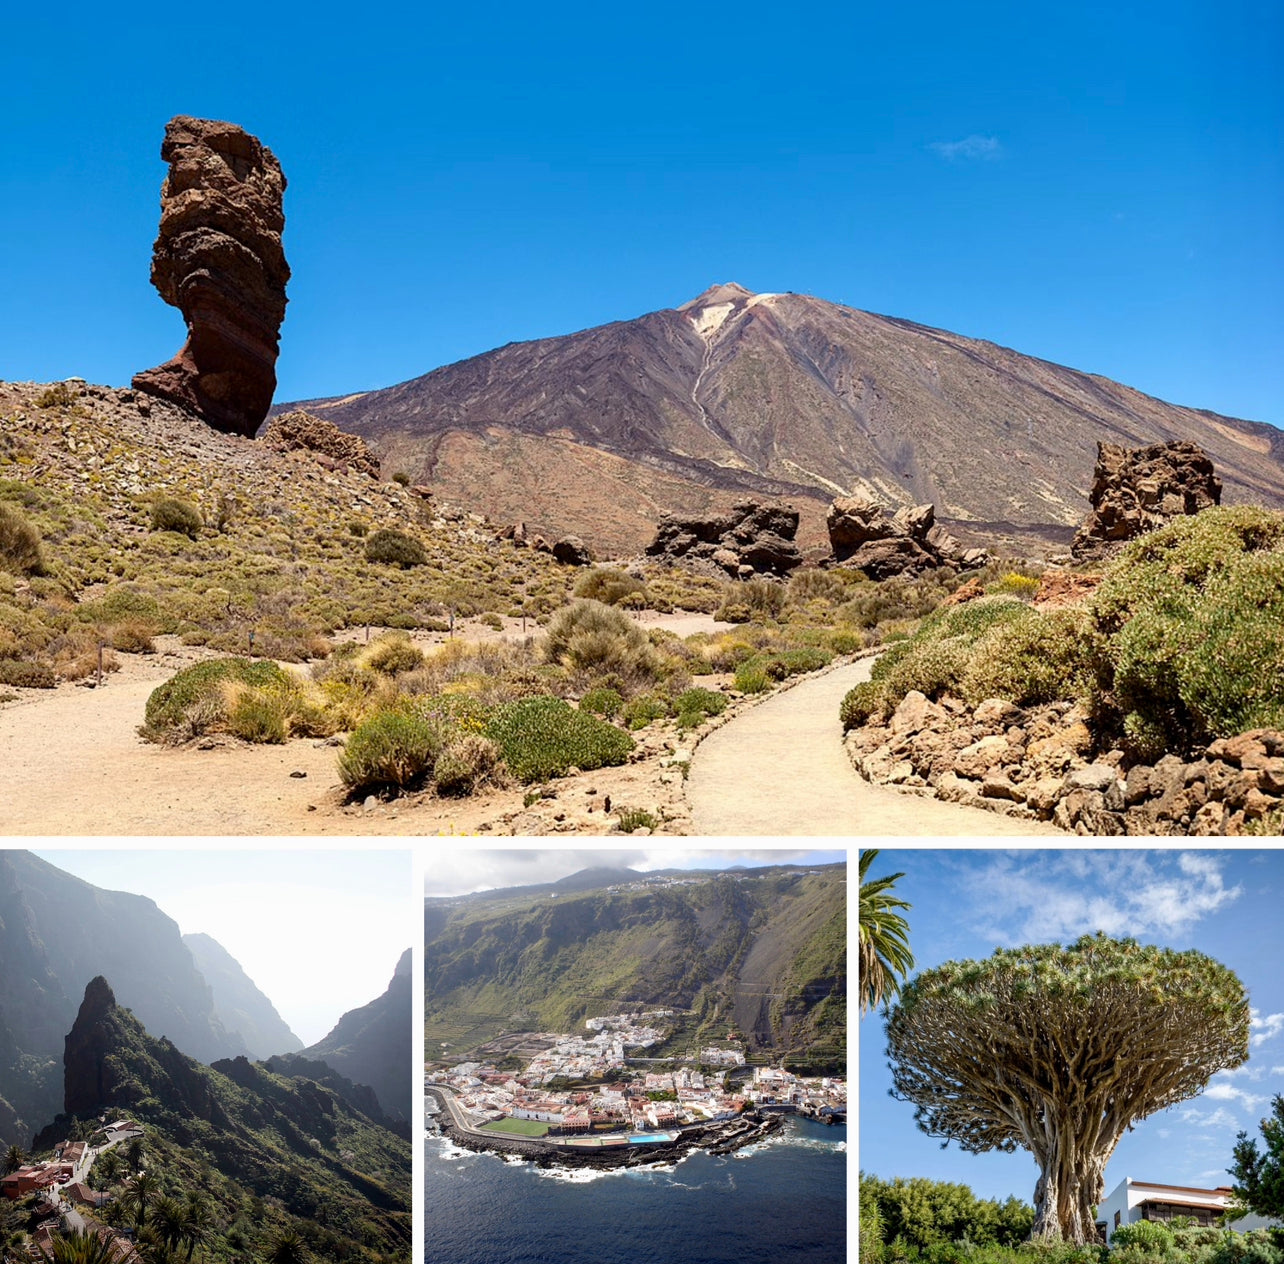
[{"x": 723, "y": 1137}]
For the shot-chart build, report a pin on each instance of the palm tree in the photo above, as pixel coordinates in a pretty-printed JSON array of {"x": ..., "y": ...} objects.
[
  {"x": 139, "y": 1194},
  {"x": 286, "y": 1247},
  {"x": 199, "y": 1223},
  {"x": 169, "y": 1217},
  {"x": 885, "y": 956},
  {"x": 88, "y": 1248},
  {"x": 14, "y": 1158}
]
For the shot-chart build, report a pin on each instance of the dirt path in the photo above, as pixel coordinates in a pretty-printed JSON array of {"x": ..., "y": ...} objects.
[{"x": 780, "y": 769}]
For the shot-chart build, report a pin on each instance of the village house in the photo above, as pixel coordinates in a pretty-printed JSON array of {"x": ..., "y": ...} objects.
[{"x": 1132, "y": 1200}]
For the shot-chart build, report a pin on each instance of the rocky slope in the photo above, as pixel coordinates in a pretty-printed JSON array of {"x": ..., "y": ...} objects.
[
  {"x": 282, "y": 1137},
  {"x": 57, "y": 933},
  {"x": 686, "y": 410},
  {"x": 240, "y": 1006},
  {"x": 371, "y": 1045},
  {"x": 761, "y": 951}
]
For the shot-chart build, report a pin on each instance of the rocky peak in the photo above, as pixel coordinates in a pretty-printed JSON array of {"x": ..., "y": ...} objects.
[
  {"x": 219, "y": 260},
  {"x": 727, "y": 292}
]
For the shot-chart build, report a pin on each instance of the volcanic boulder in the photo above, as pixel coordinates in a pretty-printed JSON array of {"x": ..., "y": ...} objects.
[
  {"x": 864, "y": 537},
  {"x": 751, "y": 539},
  {"x": 301, "y": 431},
  {"x": 219, "y": 260},
  {"x": 1138, "y": 490}
]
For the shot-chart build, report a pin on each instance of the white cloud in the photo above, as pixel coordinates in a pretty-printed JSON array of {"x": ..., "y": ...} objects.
[
  {"x": 1044, "y": 896},
  {"x": 1220, "y": 1091},
  {"x": 1219, "y": 1118},
  {"x": 985, "y": 148},
  {"x": 1264, "y": 1028}
]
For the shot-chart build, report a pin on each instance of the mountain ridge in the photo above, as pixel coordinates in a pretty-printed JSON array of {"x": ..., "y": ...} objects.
[{"x": 784, "y": 395}]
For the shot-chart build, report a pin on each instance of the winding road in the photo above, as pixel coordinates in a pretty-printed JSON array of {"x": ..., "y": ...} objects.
[{"x": 779, "y": 769}]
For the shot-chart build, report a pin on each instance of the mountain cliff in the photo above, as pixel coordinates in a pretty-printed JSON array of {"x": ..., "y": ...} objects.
[
  {"x": 598, "y": 432},
  {"x": 58, "y": 932},
  {"x": 762, "y": 951},
  {"x": 287, "y": 1138},
  {"x": 372, "y": 1045},
  {"x": 240, "y": 1006}
]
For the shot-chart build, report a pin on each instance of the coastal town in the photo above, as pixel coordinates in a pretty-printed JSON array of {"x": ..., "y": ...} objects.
[{"x": 600, "y": 1090}]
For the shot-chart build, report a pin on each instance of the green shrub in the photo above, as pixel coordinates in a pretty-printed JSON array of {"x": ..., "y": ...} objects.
[
  {"x": 635, "y": 819},
  {"x": 395, "y": 548},
  {"x": 259, "y": 715},
  {"x": 588, "y": 636},
  {"x": 468, "y": 761},
  {"x": 1014, "y": 584},
  {"x": 1143, "y": 1233},
  {"x": 733, "y": 612},
  {"x": 1044, "y": 658},
  {"x": 543, "y": 737},
  {"x": 181, "y": 516},
  {"x": 59, "y": 395},
  {"x": 751, "y": 676},
  {"x": 609, "y": 585},
  {"x": 860, "y": 703},
  {"x": 194, "y": 701},
  {"x": 810, "y": 583},
  {"x": 604, "y": 702},
  {"x": 846, "y": 642},
  {"x": 642, "y": 710},
  {"x": 26, "y": 675},
  {"x": 786, "y": 663},
  {"x": 20, "y": 550},
  {"x": 401, "y": 478},
  {"x": 695, "y": 705},
  {"x": 391, "y": 750}
]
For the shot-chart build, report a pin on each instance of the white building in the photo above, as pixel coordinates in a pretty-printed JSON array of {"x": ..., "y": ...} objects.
[{"x": 1146, "y": 1200}]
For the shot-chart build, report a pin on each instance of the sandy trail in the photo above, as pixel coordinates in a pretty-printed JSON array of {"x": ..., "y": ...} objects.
[{"x": 780, "y": 769}]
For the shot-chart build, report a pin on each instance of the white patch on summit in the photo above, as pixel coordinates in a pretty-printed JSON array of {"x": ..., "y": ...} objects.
[{"x": 708, "y": 320}]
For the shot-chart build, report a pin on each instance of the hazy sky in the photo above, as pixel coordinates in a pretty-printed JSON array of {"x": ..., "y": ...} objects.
[
  {"x": 465, "y": 870},
  {"x": 1097, "y": 183},
  {"x": 319, "y": 932},
  {"x": 968, "y": 903}
]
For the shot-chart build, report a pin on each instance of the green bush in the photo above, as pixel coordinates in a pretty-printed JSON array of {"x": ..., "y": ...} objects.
[
  {"x": 1043, "y": 658},
  {"x": 181, "y": 516},
  {"x": 695, "y": 705},
  {"x": 59, "y": 395},
  {"x": 395, "y": 548},
  {"x": 20, "y": 551},
  {"x": 645, "y": 708},
  {"x": 194, "y": 701},
  {"x": 1014, "y": 584},
  {"x": 605, "y": 702},
  {"x": 1144, "y": 1233},
  {"x": 860, "y": 703},
  {"x": 391, "y": 750},
  {"x": 543, "y": 737},
  {"x": 260, "y": 716},
  {"x": 632, "y": 819},
  {"x": 751, "y": 676},
  {"x": 608, "y": 585}
]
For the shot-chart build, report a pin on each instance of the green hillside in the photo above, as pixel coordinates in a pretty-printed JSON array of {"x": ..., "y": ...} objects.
[{"x": 761, "y": 952}]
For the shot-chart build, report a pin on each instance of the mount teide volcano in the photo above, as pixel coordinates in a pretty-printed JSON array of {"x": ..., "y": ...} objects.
[{"x": 599, "y": 432}]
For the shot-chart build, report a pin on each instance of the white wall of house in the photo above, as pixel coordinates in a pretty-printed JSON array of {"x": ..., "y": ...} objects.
[{"x": 1124, "y": 1204}]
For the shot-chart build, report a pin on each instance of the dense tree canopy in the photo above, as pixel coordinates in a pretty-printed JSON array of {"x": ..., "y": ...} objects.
[
  {"x": 1259, "y": 1174},
  {"x": 1060, "y": 1050}
]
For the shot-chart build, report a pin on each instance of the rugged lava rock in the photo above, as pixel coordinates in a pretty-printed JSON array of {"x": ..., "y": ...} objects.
[
  {"x": 752, "y": 539},
  {"x": 332, "y": 447},
  {"x": 1137, "y": 490},
  {"x": 864, "y": 537},
  {"x": 219, "y": 260}
]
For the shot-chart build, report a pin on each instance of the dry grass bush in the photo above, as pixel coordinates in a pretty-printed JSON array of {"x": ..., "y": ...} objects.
[
  {"x": 392, "y": 750},
  {"x": 467, "y": 764},
  {"x": 592, "y": 638},
  {"x": 392, "y": 655},
  {"x": 132, "y": 636},
  {"x": 1043, "y": 658},
  {"x": 20, "y": 551},
  {"x": 180, "y": 516},
  {"x": 609, "y": 585}
]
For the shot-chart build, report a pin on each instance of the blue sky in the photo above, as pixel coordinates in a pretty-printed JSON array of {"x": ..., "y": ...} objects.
[
  {"x": 968, "y": 903},
  {"x": 1099, "y": 184}
]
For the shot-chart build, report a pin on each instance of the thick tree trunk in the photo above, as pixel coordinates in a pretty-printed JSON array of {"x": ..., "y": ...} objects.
[{"x": 1066, "y": 1192}]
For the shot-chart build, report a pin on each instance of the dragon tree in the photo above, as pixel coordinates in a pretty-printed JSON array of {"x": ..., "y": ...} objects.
[{"x": 1060, "y": 1051}]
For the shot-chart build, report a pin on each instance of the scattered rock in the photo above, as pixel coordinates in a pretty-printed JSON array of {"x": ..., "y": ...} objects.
[
  {"x": 219, "y": 260},
  {"x": 1137, "y": 490},
  {"x": 572, "y": 551},
  {"x": 864, "y": 537},
  {"x": 753, "y": 538},
  {"x": 298, "y": 772},
  {"x": 301, "y": 431}
]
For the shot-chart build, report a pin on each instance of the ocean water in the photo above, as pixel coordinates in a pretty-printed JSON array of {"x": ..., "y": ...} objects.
[{"x": 777, "y": 1202}]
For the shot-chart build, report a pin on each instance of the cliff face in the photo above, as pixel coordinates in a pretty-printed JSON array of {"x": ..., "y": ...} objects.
[
  {"x": 238, "y": 1004},
  {"x": 56, "y": 934},
  {"x": 760, "y": 951},
  {"x": 372, "y": 1045}
]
